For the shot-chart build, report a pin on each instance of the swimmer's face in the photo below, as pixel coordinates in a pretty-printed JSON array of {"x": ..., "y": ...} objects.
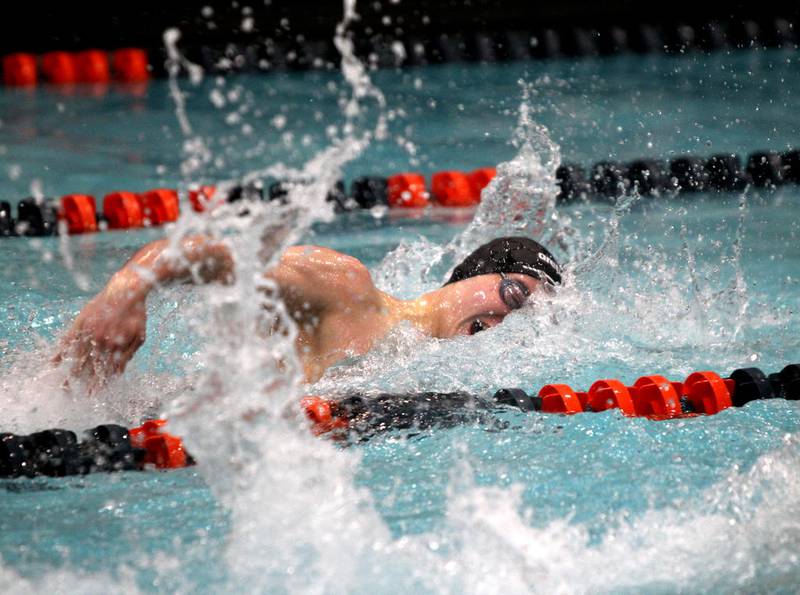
[{"x": 479, "y": 303}]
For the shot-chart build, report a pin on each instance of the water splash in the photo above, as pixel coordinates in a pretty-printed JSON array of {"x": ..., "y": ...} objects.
[
  {"x": 294, "y": 500},
  {"x": 197, "y": 154},
  {"x": 722, "y": 539},
  {"x": 626, "y": 305},
  {"x": 739, "y": 289},
  {"x": 356, "y": 75},
  {"x": 258, "y": 457},
  {"x": 520, "y": 200},
  {"x": 54, "y": 581}
]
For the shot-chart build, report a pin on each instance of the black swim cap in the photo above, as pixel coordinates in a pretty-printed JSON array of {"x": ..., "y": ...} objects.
[{"x": 510, "y": 255}]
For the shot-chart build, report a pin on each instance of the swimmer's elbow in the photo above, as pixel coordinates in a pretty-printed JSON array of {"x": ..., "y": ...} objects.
[{"x": 200, "y": 256}]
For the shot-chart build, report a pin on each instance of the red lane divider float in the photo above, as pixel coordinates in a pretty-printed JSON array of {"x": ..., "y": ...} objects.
[
  {"x": 656, "y": 397},
  {"x": 610, "y": 394},
  {"x": 708, "y": 393},
  {"x": 652, "y": 396},
  {"x": 560, "y": 398},
  {"x": 453, "y": 189},
  {"x": 479, "y": 179},
  {"x": 59, "y": 68},
  {"x": 80, "y": 212},
  {"x": 92, "y": 66},
  {"x": 448, "y": 188},
  {"x": 160, "y": 206},
  {"x": 123, "y": 210},
  {"x": 19, "y": 70},
  {"x": 407, "y": 191},
  {"x": 130, "y": 65},
  {"x": 163, "y": 450},
  {"x": 127, "y": 65},
  {"x": 201, "y": 198},
  {"x": 323, "y": 414}
]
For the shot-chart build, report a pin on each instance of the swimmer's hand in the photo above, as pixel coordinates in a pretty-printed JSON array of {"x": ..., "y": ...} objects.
[{"x": 107, "y": 332}]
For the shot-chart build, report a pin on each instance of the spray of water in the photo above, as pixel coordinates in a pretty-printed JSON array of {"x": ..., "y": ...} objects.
[
  {"x": 292, "y": 498},
  {"x": 285, "y": 490},
  {"x": 520, "y": 200},
  {"x": 298, "y": 520}
]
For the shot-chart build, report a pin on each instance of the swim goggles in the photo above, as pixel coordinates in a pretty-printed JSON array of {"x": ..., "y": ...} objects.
[{"x": 515, "y": 293}]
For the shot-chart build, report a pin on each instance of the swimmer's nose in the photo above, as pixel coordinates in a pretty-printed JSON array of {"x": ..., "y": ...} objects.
[{"x": 513, "y": 293}]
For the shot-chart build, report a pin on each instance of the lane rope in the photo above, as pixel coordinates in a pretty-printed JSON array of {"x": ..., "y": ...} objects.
[
  {"x": 605, "y": 180},
  {"x": 264, "y": 54},
  {"x": 110, "y": 447}
]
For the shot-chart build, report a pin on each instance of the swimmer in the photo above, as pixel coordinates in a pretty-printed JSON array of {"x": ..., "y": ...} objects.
[{"x": 331, "y": 296}]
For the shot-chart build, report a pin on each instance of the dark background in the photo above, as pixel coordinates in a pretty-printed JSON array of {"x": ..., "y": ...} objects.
[{"x": 38, "y": 27}]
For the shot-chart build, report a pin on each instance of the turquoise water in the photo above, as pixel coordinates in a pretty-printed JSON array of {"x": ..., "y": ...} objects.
[
  {"x": 593, "y": 502},
  {"x": 458, "y": 117}
]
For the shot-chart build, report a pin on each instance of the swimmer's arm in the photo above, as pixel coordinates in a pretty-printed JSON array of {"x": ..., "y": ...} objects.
[
  {"x": 311, "y": 279},
  {"x": 311, "y": 276},
  {"x": 111, "y": 327},
  {"x": 196, "y": 258}
]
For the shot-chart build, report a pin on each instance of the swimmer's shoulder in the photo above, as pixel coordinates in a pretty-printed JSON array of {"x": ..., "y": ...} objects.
[
  {"x": 327, "y": 261},
  {"x": 329, "y": 271}
]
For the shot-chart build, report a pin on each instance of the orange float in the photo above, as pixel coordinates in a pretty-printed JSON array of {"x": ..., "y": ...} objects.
[
  {"x": 708, "y": 393},
  {"x": 92, "y": 66},
  {"x": 160, "y": 206},
  {"x": 123, "y": 210},
  {"x": 655, "y": 396},
  {"x": 59, "y": 68},
  {"x": 201, "y": 197},
  {"x": 479, "y": 179},
  {"x": 559, "y": 398},
  {"x": 80, "y": 213},
  {"x": 610, "y": 394},
  {"x": 407, "y": 191},
  {"x": 321, "y": 413},
  {"x": 19, "y": 70},
  {"x": 163, "y": 450},
  {"x": 453, "y": 189},
  {"x": 130, "y": 65}
]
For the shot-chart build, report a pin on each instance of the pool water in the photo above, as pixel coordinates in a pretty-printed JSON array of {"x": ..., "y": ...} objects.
[{"x": 589, "y": 503}]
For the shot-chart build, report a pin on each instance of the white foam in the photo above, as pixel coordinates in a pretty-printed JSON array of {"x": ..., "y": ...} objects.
[{"x": 64, "y": 581}]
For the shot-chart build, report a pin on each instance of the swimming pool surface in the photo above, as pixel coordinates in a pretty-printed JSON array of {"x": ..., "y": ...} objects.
[{"x": 516, "y": 503}]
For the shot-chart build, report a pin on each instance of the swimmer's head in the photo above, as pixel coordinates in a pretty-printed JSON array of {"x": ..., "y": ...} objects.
[
  {"x": 497, "y": 278},
  {"x": 514, "y": 254}
]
